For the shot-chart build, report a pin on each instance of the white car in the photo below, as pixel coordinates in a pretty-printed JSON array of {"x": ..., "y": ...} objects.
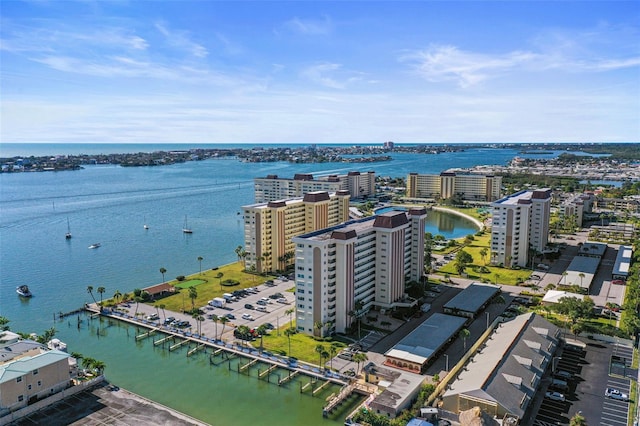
[
  {"x": 616, "y": 394},
  {"x": 556, "y": 396},
  {"x": 247, "y": 317},
  {"x": 152, "y": 317}
]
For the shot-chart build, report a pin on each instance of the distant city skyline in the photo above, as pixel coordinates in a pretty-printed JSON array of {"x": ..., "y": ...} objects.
[{"x": 319, "y": 72}]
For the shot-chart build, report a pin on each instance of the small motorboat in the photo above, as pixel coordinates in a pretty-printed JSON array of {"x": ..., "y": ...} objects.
[
  {"x": 94, "y": 246},
  {"x": 23, "y": 291}
]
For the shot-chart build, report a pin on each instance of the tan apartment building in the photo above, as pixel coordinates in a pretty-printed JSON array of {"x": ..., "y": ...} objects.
[
  {"x": 269, "y": 227},
  {"x": 469, "y": 187},
  {"x": 520, "y": 223},
  {"x": 367, "y": 260},
  {"x": 30, "y": 372},
  {"x": 272, "y": 187}
]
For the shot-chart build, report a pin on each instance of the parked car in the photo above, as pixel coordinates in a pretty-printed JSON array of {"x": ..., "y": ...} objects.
[
  {"x": 269, "y": 283},
  {"x": 617, "y": 282},
  {"x": 282, "y": 300},
  {"x": 616, "y": 394},
  {"x": 543, "y": 266},
  {"x": 261, "y": 302},
  {"x": 248, "y": 306},
  {"x": 556, "y": 396},
  {"x": 152, "y": 317},
  {"x": 169, "y": 320},
  {"x": 248, "y": 317},
  {"x": 261, "y": 308},
  {"x": 535, "y": 277},
  {"x": 230, "y": 316},
  {"x": 562, "y": 374}
]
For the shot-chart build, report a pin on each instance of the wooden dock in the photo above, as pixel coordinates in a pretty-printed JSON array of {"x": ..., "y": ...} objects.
[
  {"x": 178, "y": 345},
  {"x": 288, "y": 377},
  {"x": 196, "y": 349},
  {"x": 345, "y": 392}
]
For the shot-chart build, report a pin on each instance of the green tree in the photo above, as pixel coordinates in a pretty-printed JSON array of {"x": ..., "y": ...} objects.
[
  {"x": 578, "y": 420},
  {"x": 464, "y": 334},
  {"x": 101, "y": 291},
  {"x": 360, "y": 357},
  {"x": 223, "y": 320},
  {"x": 117, "y": 296},
  {"x": 262, "y": 330},
  {"x": 333, "y": 351},
  {"x": 200, "y": 259},
  {"x": 575, "y": 309},
  {"x": 4, "y": 321},
  {"x": 483, "y": 254},
  {"x": 219, "y": 276},
  {"x": 318, "y": 325},
  {"x": 90, "y": 291},
  {"x": 193, "y": 295},
  {"x": 290, "y": 312},
  {"x": 290, "y": 332},
  {"x": 319, "y": 350},
  {"x": 163, "y": 271}
]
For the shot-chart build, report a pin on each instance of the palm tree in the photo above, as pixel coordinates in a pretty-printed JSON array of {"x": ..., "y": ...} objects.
[
  {"x": 163, "y": 271},
  {"x": 497, "y": 276},
  {"x": 164, "y": 314},
  {"x": 98, "y": 366},
  {"x": 581, "y": 275},
  {"x": 193, "y": 295},
  {"x": 318, "y": 326},
  {"x": 90, "y": 291},
  {"x": 101, "y": 291},
  {"x": 219, "y": 276},
  {"x": 3, "y": 323},
  {"x": 137, "y": 299},
  {"x": 262, "y": 330},
  {"x": 564, "y": 275},
  {"x": 359, "y": 358},
  {"x": 356, "y": 313},
  {"x": 238, "y": 251},
  {"x": 223, "y": 321},
  {"x": 464, "y": 333},
  {"x": 483, "y": 255},
  {"x": 289, "y": 332},
  {"x": 117, "y": 296},
  {"x": 200, "y": 259},
  {"x": 290, "y": 312},
  {"x": 215, "y": 320},
  {"x": 319, "y": 351},
  {"x": 333, "y": 350}
]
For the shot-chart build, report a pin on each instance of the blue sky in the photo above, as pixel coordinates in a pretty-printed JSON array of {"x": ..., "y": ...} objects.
[{"x": 316, "y": 71}]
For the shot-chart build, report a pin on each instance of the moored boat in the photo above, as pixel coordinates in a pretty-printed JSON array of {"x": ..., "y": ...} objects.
[
  {"x": 23, "y": 291},
  {"x": 94, "y": 245},
  {"x": 186, "y": 228}
]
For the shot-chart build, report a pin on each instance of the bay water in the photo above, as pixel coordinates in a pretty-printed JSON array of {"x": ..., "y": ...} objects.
[{"x": 109, "y": 205}]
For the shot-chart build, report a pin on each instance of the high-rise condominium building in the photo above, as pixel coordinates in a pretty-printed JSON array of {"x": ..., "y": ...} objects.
[
  {"x": 269, "y": 227},
  {"x": 446, "y": 185},
  {"x": 344, "y": 271},
  {"x": 272, "y": 187},
  {"x": 520, "y": 224}
]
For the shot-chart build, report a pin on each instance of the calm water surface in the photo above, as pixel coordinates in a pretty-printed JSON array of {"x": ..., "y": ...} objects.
[{"x": 110, "y": 205}]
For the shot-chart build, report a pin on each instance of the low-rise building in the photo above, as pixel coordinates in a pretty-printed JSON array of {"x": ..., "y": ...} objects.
[
  {"x": 29, "y": 372},
  {"x": 473, "y": 299},
  {"x": 503, "y": 377},
  {"x": 623, "y": 262},
  {"x": 414, "y": 352},
  {"x": 399, "y": 389}
]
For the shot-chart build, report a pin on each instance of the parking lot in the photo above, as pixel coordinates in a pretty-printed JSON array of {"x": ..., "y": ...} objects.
[
  {"x": 274, "y": 311},
  {"x": 590, "y": 378}
]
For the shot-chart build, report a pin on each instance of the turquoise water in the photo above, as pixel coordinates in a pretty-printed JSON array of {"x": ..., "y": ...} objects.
[
  {"x": 110, "y": 204},
  {"x": 442, "y": 223},
  {"x": 215, "y": 394}
]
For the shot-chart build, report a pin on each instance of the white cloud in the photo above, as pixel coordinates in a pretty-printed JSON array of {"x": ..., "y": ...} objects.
[
  {"x": 181, "y": 40},
  {"x": 331, "y": 75},
  {"x": 313, "y": 27}
]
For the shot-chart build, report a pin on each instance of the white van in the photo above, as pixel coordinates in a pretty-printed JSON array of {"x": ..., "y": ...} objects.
[{"x": 228, "y": 297}]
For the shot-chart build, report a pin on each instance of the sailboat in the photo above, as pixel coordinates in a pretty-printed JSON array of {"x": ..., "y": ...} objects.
[
  {"x": 68, "y": 234},
  {"x": 145, "y": 226},
  {"x": 186, "y": 228}
]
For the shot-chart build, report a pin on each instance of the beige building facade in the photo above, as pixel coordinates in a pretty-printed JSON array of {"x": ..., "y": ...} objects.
[
  {"x": 469, "y": 187},
  {"x": 365, "y": 261},
  {"x": 269, "y": 227},
  {"x": 272, "y": 187},
  {"x": 520, "y": 224}
]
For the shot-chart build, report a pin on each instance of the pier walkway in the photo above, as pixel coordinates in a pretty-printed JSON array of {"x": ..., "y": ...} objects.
[{"x": 219, "y": 345}]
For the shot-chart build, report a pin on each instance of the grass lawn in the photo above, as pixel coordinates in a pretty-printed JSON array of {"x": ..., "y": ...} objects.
[
  {"x": 189, "y": 283},
  {"x": 211, "y": 286},
  {"x": 303, "y": 346},
  {"x": 505, "y": 275}
]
